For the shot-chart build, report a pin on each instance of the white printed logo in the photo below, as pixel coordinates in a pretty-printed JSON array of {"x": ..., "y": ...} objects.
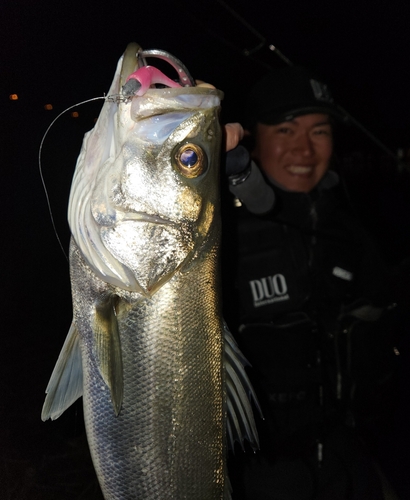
[{"x": 269, "y": 290}]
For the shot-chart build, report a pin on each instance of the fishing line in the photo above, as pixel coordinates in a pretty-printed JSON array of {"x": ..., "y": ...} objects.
[{"x": 41, "y": 168}]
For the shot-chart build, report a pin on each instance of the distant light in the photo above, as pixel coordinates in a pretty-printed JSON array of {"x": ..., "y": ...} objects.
[
  {"x": 48, "y": 107},
  {"x": 13, "y": 97},
  {"x": 74, "y": 114}
]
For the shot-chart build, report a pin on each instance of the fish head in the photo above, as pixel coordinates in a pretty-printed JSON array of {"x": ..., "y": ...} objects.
[
  {"x": 169, "y": 159},
  {"x": 144, "y": 199}
]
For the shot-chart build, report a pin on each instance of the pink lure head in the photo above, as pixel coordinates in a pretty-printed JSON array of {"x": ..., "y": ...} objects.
[{"x": 147, "y": 76}]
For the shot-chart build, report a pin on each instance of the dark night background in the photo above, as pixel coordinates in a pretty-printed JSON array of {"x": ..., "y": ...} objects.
[{"x": 64, "y": 53}]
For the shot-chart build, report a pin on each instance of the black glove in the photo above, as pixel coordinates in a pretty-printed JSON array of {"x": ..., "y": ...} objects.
[{"x": 247, "y": 183}]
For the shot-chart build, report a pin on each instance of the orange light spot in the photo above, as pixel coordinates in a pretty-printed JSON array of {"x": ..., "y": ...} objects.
[
  {"x": 13, "y": 97},
  {"x": 74, "y": 114},
  {"x": 48, "y": 107}
]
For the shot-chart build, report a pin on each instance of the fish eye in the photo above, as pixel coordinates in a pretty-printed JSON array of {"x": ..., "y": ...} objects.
[{"x": 190, "y": 160}]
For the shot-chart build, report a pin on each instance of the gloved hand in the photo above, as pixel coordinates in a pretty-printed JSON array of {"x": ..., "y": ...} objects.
[
  {"x": 247, "y": 183},
  {"x": 237, "y": 161}
]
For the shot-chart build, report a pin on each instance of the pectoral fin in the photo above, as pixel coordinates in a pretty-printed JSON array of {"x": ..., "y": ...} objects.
[
  {"x": 66, "y": 382},
  {"x": 108, "y": 348}
]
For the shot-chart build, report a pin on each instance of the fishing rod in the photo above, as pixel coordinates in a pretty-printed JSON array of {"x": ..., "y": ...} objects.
[
  {"x": 263, "y": 42},
  {"x": 262, "y": 39}
]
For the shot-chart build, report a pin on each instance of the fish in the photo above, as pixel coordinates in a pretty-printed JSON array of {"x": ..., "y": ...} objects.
[{"x": 164, "y": 386}]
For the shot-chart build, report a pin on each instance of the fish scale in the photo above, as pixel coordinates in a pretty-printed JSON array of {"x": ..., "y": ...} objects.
[{"x": 167, "y": 397}]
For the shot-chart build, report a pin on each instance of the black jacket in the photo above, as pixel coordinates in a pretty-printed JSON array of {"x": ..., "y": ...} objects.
[{"x": 297, "y": 282}]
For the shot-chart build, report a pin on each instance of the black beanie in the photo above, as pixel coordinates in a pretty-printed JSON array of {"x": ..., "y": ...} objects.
[{"x": 286, "y": 93}]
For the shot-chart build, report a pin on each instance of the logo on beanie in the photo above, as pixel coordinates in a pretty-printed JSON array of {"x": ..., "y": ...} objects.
[{"x": 320, "y": 91}]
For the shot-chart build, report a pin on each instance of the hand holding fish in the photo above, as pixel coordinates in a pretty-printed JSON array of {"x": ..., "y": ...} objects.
[{"x": 234, "y": 132}]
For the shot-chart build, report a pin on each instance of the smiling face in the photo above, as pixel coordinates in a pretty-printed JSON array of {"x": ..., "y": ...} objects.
[{"x": 295, "y": 154}]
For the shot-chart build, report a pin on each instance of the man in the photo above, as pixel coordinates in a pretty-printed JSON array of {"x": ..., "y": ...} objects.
[{"x": 304, "y": 300}]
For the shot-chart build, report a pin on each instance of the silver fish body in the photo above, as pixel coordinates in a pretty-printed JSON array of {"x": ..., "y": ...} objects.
[
  {"x": 147, "y": 348},
  {"x": 167, "y": 441}
]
